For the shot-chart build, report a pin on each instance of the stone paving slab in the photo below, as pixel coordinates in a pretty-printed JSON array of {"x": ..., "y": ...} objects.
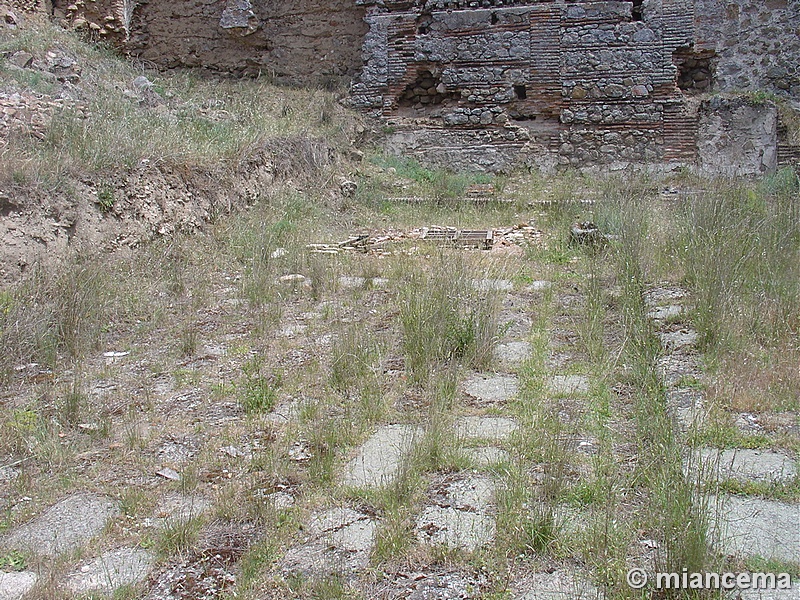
[
  {"x": 349, "y": 282},
  {"x": 512, "y": 353},
  {"x": 434, "y": 585},
  {"x": 492, "y": 285},
  {"x": 455, "y": 529},
  {"x": 446, "y": 586},
  {"x": 688, "y": 406},
  {"x": 460, "y": 516},
  {"x": 491, "y": 389},
  {"x": 379, "y": 459},
  {"x": 565, "y": 385},
  {"x": 13, "y": 586},
  {"x": 539, "y": 286},
  {"x": 756, "y": 527},
  {"x": 676, "y": 367},
  {"x": 664, "y": 295},
  {"x": 112, "y": 570},
  {"x": 486, "y": 428},
  {"x": 340, "y": 541},
  {"x": 748, "y": 465},
  {"x": 65, "y": 526},
  {"x": 486, "y": 456},
  {"x": 559, "y": 585},
  {"x": 175, "y": 507},
  {"x": 792, "y": 593},
  {"x": 665, "y": 313},
  {"x": 676, "y": 340}
]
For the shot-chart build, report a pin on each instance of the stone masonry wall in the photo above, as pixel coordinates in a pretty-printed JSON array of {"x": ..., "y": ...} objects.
[
  {"x": 590, "y": 82},
  {"x": 577, "y": 83},
  {"x": 488, "y": 84},
  {"x": 756, "y": 44},
  {"x": 308, "y": 42}
]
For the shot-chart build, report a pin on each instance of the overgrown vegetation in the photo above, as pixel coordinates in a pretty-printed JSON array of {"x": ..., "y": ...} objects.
[
  {"x": 181, "y": 120},
  {"x": 242, "y": 366}
]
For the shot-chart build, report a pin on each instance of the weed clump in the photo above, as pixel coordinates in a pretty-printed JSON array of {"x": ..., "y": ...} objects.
[
  {"x": 445, "y": 320},
  {"x": 259, "y": 389}
]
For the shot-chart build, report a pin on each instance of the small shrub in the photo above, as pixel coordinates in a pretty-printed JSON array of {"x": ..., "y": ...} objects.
[
  {"x": 105, "y": 199},
  {"x": 178, "y": 536}
]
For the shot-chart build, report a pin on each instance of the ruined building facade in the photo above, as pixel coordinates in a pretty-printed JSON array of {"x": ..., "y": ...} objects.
[
  {"x": 581, "y": 83},
  {"x": 489, "y": 84}
]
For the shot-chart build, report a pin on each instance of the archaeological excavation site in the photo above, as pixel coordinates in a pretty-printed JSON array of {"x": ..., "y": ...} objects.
[{"x": 399, "y": 299}]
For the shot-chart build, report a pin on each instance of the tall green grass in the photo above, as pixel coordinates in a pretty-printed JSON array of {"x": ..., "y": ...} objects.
[{"x": 444, "y": 320}]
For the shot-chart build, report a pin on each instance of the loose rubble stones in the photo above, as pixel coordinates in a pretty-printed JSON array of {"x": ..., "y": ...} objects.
[{"x": 65, "y": 526}]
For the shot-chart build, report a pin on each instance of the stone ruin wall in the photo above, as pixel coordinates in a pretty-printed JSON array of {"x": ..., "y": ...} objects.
[
  {"x": 299, "y": 42},
  {"x": 488, "y": 84},
  {"x": 554, "y": 84}
]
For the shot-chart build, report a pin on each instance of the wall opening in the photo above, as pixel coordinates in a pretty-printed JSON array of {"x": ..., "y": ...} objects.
[
  {"x": 520, "y": 91},
  {"x": 695, "y": 70},
  {"x": 427, "y": 90},
  {"x": 495, "y": 18},
  {"x": 424, "y": 24},
  {"x": 636, "y": 10}
]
